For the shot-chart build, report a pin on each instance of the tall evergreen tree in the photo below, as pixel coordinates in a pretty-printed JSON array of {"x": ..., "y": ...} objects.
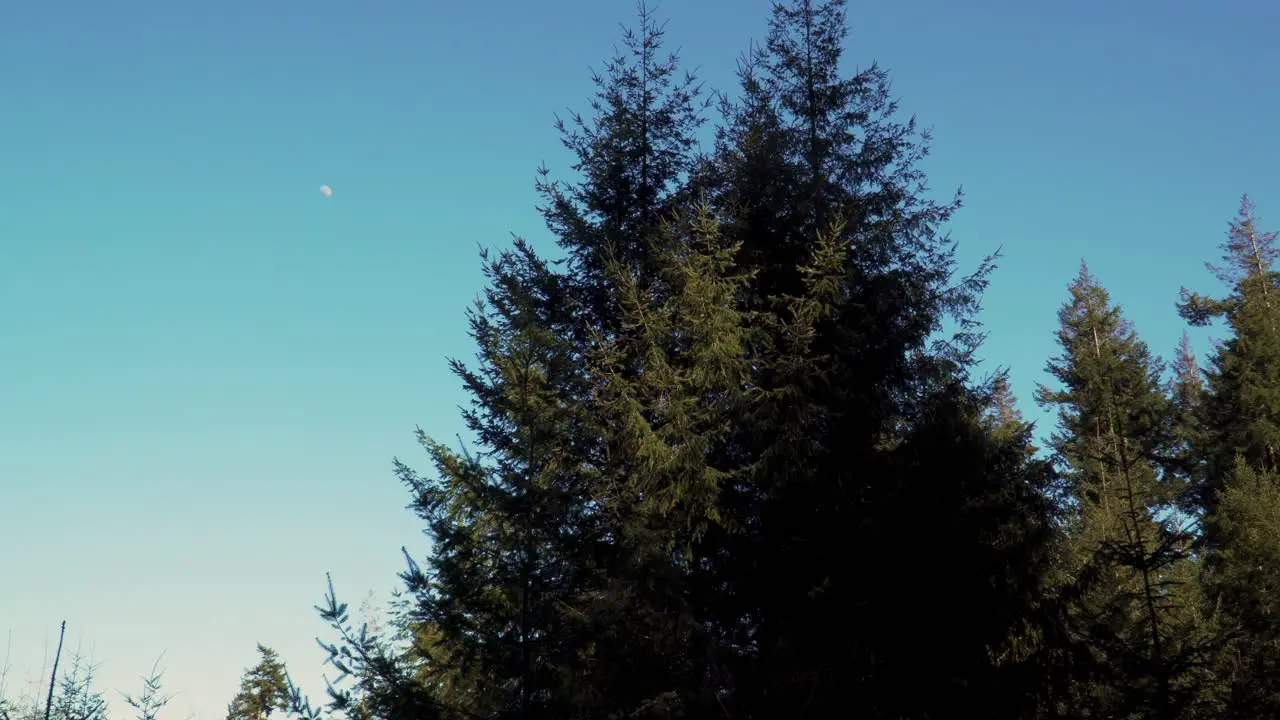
[
  {"x": 1237, "y": 491},
  {"x": 1128, "y": 563},
  {"x": 819, "y": 184},
  {"x": 633, "y": 156},
  {"x": 523, "y": 609},
  {"x": 263, "y": 689},
  {"x": 621, "y": 596},
  {"x": 1241, "y": 412},
  {"x": 726, "y": 463},
  {"x": 1004, "y": 413},
  {"x": 1003, "y": 418},
  {"x": 496, "y": 518}
]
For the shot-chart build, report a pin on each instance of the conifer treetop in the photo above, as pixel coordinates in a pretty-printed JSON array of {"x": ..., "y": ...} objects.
[{"x": 1248, "y": 256}]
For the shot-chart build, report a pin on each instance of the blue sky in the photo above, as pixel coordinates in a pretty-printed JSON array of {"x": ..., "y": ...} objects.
[{"x": 206, "y": 366}]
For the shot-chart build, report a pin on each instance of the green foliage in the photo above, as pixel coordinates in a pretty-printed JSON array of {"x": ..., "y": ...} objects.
[
  {"x": 1127, "y": 567},
  {"x": 508, "y": 524},
  {"x": 1230, "y": 428},
  {"x": 385, "y": 685},
  {"x": 1241, "y": 411},
  {"x": 685, "y": 335},
  {"x": 730, "y": 460},
  {"x": 851, "y": 284},
  {"x": 1244, "y": 583},
  {"x": 1003, "y": 418},
  {"x": 690, "y": 338},
  {"x": 632, "y": 156},
  {"x": 1184, "y": 463},
  {"x": 537, "y": 563},
  {"x": 695, "y": 436},
  {"x": 263, "y": 689}
]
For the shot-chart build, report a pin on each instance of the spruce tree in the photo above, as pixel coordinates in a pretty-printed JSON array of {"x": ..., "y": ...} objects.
[
  {"x": 1241, "y": 411},
  {"x": 1128, "y": 563},
  {"x": 263, "y": 689},
  {"x": 633, "y": 156},
  {"x": 1003, "y": 415},
  {"x": 665, "y": 388},
  {"x": 510, "y": 531},
  {"x": 1236, "y": 490},
  {"x": 523, "y": 609},
  {"x": 843, "y": 517},
  {"x": 725, "y": 462}
]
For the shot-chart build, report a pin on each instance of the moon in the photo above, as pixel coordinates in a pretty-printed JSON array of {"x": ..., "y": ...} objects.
[{"x": 326, "y": 191}]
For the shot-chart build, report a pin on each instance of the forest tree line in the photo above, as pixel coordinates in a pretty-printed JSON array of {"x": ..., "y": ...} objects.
[{"x": 733, "y": 457}]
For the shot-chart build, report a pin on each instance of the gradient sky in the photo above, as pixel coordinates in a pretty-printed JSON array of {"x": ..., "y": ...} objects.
[{"x": 206, "y": 366}]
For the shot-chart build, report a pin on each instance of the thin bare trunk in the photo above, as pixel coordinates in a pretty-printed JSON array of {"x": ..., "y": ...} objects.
[
  {"x": 53, "y": 676},
  {"x": 527, "y": 559},
  {"x": 1102, "y": 463},
  {"x": 1135, "y": 538},
  {"x": 811, "y": 91},
  {"x": 1257, "y": 258},
  {"x": 1148, "y": 591}
]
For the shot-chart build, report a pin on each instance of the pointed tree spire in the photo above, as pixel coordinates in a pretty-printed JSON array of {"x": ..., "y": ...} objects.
[
  {"x": 264, "y": 689},
  {"x": 1003, "y": 418},
  {"x": 1241, "y": 408},
  {"x": 532, "y": 596},
  {"x": 1234, "y": 460},
  {"x": 1126, "y": 561},
  {"x": 1184, "y": 463}
]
